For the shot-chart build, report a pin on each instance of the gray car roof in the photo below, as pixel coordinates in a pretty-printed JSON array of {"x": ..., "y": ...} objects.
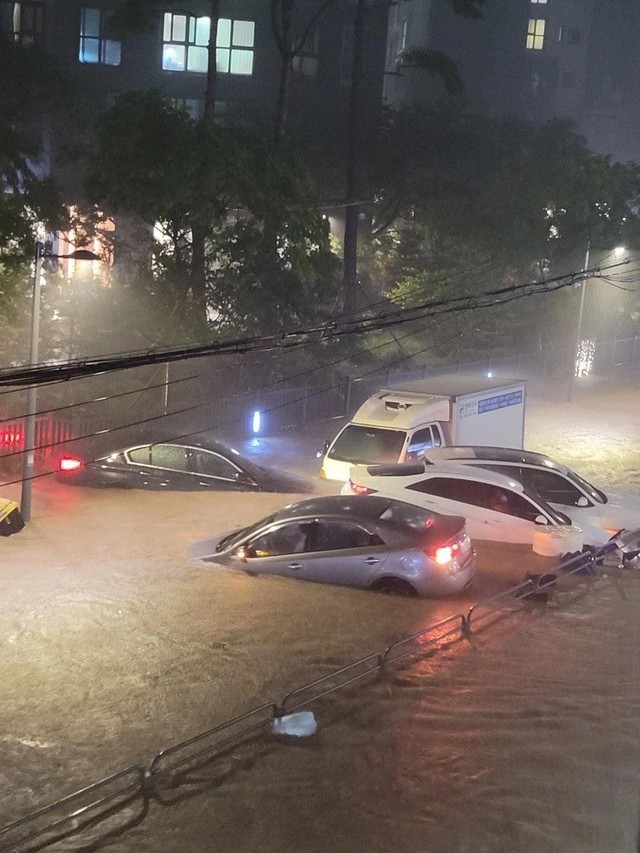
[
  {"x": 369, "y": 507},
  {"x": 492, "y": 454},
  {"x": 364, "y": 507}
]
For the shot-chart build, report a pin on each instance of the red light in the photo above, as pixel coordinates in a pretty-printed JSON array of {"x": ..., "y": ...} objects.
[
  {"x": 443, "y": 555},
  {"x": 360, "y": 490},
  {"x": 69, "y": 463},
  {"x": 10, "y": 437}
]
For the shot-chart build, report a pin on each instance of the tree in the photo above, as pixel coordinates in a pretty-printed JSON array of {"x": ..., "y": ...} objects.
[
  {"x": 263, "y": 235},
  {"x": 27, "y": 82},
  {"x": 431, "y": 61},
  {"x": 482, "y": 205}
]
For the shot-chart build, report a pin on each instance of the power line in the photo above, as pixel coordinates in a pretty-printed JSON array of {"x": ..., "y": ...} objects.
[
  {"x": 283, "y": 340},
  {"x": 191, "y": 408},
  {"x": 104, "y": 398},
  {"x": 206, "y": 404}
]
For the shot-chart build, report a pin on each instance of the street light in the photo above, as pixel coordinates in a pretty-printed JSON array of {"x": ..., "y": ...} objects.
[
  {"x": 30, "y": 417},
  {"x": 618, "y": 252}
]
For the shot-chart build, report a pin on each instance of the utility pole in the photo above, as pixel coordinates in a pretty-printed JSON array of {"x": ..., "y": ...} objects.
[
  {"x": 354, "y": 130},
  {"x": 30, "y": 419},
  {"x": 578, "y": 341}
]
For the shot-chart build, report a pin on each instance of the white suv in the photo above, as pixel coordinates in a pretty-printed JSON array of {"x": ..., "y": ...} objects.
[
  {"x": 495, "y": 506},
  {"x": 555, "y": 483}
]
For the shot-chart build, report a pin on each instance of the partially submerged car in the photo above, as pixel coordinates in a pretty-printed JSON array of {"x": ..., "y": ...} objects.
[
  {"x": 190, "y": 463},
  {"x": 557, "y": 484},
  {"x": 496, "y": 507},
  {"x": 374, "y": 543}
]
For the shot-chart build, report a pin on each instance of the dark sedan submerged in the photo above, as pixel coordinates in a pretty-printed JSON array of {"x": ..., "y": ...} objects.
[
  {"x": 192, "y": 463},
  {"x": 372, "y": 542}
]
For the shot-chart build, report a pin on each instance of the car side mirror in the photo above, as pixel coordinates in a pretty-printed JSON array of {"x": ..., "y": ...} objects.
[
  {"x": 541, "y": 519},
  {"x": 243, "y": 552},
  {"x": 321, "y": 453},
  {"x": 243, "y": 479},
  {"x": 582, "y": 501}
]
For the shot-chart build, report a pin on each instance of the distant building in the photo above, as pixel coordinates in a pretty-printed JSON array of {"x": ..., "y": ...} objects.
[
  {"x": 537, "y": 59},
  {"x": 170, "y": 55}
]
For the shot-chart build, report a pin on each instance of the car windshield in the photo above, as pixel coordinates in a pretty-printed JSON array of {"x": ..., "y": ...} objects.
[
  {"x": 554, "y": 514},
  {"x": 230, "y": 540},
  {"x": 364, "y": 445},
  {"x": 595, "y": 494}
]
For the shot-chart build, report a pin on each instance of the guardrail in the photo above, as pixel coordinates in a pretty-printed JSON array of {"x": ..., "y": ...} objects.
[{"x": 101, "y": 800}]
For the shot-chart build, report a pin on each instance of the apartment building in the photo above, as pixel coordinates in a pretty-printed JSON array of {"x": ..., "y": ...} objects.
[
  {"x": 170, "y": 55},
  {"x": 537, "y": 59}
]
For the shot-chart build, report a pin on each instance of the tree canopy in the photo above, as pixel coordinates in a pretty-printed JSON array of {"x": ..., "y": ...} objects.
[{"x": 268, "y": 258}]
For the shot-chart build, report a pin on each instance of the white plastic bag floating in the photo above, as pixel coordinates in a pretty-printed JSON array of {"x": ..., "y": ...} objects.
[{"x": 301, "y": 724}]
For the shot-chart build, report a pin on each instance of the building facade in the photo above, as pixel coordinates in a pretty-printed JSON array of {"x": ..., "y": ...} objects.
[
  {"x": 537, "y": 59},
  {"x": 169, "y": 53}
]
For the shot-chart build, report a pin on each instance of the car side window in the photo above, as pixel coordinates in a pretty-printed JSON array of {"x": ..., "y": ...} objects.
[
  {"x": 171, "y": 456},
  {"x": 140, "y": 455},
  {"x": 521, "y": 507},
  {"x": 421, "y": 441},
  {"x": 213, "y": 465},
  {"x": 288, "y": 539},
  {"x": 553, "y": 487},
  {"x": 446, "y": 487},
  {"x": 336, "y": 535},
  {"x": 510, "y": 503},
  {"x": 479, "y": 494}
]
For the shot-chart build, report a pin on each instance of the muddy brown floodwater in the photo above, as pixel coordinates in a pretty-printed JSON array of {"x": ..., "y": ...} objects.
[{"x": 114, "y": 646}]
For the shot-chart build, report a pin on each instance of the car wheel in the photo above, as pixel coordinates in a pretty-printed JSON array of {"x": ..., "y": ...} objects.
[{"x": 394, "y": 586}]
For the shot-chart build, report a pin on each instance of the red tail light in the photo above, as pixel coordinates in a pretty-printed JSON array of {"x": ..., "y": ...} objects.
[
  {"x": 361, "y": 490},
  {"x": 444, "y": 554},
  {"x": 70, "y": 463}
]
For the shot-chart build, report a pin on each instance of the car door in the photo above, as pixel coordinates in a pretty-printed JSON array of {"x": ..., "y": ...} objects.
[
  {"x": 491, "y": 512},
  {"x": 141, "y": 474},
  {"x": 212, "y": 471},
  {"x": 344, "y": 553},
  {"x": 279, "y": 550},
  {"x": 159, "y": 466}
]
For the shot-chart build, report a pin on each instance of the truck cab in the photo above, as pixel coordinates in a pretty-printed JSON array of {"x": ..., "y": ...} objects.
[
  {"x": 390, "y": 426},
  {"x": 401, "y": 423}
]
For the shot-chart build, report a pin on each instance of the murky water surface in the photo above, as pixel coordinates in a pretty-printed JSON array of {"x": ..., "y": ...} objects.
[{"x": 115, "y": 646}]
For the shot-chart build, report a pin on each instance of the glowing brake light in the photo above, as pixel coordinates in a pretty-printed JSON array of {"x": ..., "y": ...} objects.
[
  {"x": 360, "y": 490},
  {"x": 443, "y": 555},
  {"x": 70, "y": 463}
]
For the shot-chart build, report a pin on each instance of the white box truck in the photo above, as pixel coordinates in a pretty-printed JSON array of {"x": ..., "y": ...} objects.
[{"x": 400, "y": 422}]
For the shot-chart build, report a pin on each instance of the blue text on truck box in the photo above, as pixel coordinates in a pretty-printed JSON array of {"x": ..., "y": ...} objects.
[{"x": 501, "y": 401}]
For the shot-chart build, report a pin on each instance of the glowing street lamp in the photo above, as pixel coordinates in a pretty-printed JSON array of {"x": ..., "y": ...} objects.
[
  {"x": 30, "y": 418},
  {"x": 582, "y": 351}
]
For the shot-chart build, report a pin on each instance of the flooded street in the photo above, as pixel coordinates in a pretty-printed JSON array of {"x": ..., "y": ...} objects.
[{"x": 115, "y": 646}]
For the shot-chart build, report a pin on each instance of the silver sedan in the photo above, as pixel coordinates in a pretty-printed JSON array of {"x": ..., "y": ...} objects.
[{"x": 370, "y": 542}]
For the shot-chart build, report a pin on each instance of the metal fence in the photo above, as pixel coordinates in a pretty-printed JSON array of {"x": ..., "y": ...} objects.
[
  {"x": 138, "y": 785},
  {"x": 297, "y": 405}
]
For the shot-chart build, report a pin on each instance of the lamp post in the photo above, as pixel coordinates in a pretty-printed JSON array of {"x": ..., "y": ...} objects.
[
  {"x": 30, "y": 418},
  {"x": 578, "y": 341},
  {"x": 618, "y": 252}
]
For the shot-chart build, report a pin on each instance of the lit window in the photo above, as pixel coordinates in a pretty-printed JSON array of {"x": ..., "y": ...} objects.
[
  {"x": 535, "y": 34},
  {"x": 235, "y": 46},
  {"x": 95, "y": 46},
  {"x": 186, "y": 44},
  {"x": 538, "y": 1},
  {"x": 306, "y": 60},
  {"x": 22, "y": 23}
]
